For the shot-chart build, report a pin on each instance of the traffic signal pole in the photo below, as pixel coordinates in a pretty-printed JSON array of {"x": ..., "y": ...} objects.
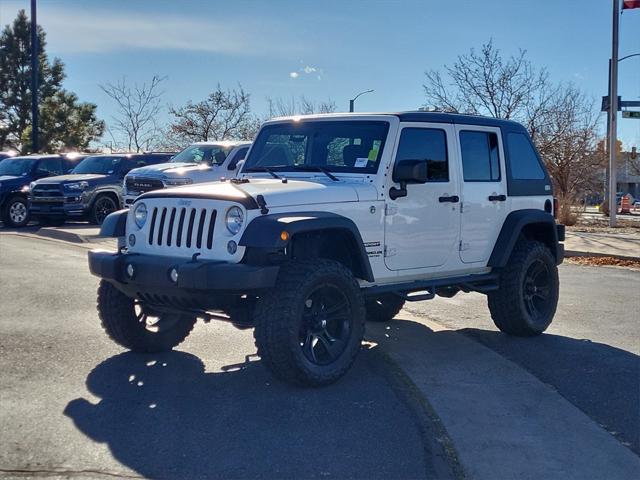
[{"x": 613, "y": 115}]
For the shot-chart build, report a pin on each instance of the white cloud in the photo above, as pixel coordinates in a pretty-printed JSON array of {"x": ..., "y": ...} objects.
[
  {"x": 92, "y": 31},
  {"x": 307, "y": 70}
]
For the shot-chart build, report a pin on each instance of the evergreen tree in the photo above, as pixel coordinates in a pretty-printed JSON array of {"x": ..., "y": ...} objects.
[{"x": 60, "y": 112}]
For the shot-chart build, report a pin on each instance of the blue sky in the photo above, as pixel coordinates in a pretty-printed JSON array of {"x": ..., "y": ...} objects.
[{"x": 326, "y": 49}]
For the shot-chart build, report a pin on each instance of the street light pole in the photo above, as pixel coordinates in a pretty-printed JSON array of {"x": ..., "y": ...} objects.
[
  {"x": 353, "y": 100},
  {"x": 34, "y": 78},
  {"x": 613, "y": 115}
]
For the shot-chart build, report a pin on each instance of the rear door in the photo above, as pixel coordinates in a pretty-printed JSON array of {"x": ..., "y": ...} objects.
[
  {"x": 421, "y": 229},
  {"x": 484, "y": 190}
]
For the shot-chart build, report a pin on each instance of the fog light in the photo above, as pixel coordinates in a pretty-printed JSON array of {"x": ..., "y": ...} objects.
[
  {"x": 173, "y": 275},
  {"x": 232, "y": 247},
  {"x": 130, "y": 271},
  {"x": 132, "y": 240}
]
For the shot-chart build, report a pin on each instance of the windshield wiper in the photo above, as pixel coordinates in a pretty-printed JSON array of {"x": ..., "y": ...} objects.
[
  {"x": 262, "y": 169},
  {"x": 317, "y": 168}
]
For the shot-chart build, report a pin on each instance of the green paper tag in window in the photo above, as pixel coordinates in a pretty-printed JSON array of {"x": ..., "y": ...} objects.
[{"x": 373, "y": 154}]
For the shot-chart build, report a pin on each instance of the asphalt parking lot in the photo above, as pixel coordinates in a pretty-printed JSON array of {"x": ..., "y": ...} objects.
[{"x": 75, "y": 405}]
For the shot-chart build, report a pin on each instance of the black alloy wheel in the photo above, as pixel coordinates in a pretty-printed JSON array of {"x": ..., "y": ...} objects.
[
  {"x": 103, "y": 206},
  {"x": 537, "y": 291},
  {"x": 325, "y": 326}
]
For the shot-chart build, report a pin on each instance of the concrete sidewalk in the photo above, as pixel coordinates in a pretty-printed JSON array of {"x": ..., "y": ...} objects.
[
  {"x": 502, "y": 421},
  {"x": 624, "y": 245}
]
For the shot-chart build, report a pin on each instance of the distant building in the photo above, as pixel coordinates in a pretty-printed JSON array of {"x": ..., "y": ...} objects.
[{"x": 629, "y": 175}]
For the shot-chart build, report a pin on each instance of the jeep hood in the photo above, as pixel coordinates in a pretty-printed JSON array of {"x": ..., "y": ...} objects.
[
  {"x": 78, "y": 177},
  {"x": 275, "y": 192},
  {"x": 169, "y": 168}
]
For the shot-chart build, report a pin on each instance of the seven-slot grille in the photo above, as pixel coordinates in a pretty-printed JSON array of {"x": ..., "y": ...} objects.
[
  {"x": 182, "y": 227},
  {"x": 139, "y": 185}
]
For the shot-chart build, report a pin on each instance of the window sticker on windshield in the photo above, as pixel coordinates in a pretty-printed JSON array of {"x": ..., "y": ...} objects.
[
  {"x": 373, "y": 154},
  {"x": 361, "y": 162}
]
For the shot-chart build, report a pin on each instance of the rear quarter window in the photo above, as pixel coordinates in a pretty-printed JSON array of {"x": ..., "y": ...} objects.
[{"x": 523, "y": 160}]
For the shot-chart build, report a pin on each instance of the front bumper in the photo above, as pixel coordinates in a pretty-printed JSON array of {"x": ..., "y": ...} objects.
[
  {"x": 65, "y": 206},
  {"x": 199, "y": 282}
]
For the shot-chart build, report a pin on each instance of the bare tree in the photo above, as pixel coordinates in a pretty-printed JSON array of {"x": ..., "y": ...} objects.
[
  {"x": 559, "y": 117},
  {"x": 567, "y": 141},
  {"x": 135, "y": 126},
  {"x": 279, "y": 107},
  {"x": 224, "y": 114},
  {"x": 485, "y": 83}
]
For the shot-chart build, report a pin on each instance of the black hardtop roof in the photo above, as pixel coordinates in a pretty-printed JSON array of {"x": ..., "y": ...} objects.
[{"x": 457, "y": 118}]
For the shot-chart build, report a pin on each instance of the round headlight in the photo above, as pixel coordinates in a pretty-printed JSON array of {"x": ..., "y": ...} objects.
[
  {"x": 140, "y": 214},
  {"x": 234, "y": 219}
]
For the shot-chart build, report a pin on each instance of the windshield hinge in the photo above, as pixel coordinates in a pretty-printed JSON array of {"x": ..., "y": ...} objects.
[
  {"x": 390, "y": 209},
  {"x": 389, "y": 251}
]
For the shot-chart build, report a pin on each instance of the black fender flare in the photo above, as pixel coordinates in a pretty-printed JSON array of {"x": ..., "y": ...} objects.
[
  {"x": 115, "y": 224},
  {"x": 513, "y": 226},
  {"x": 265, "y": 232}
]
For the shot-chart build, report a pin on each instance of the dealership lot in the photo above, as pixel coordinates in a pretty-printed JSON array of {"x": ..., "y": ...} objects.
[{"x": 211, "y": 409}]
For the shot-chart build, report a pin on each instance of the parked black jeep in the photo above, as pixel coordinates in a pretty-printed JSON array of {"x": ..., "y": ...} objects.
[
  {"x": 16, "y": 173},
  {"x": 91, "y": 191}
]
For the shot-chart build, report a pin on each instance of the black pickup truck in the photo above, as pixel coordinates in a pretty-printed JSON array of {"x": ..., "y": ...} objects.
[{"x": 91, "y": 191}]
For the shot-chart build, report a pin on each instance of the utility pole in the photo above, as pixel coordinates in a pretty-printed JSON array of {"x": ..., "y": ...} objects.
[
  {"x": 34, "y": 78},
  {"x": 613, "y": 115}
]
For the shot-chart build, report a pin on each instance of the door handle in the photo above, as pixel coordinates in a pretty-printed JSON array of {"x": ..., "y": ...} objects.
[
  {"x": 497, "y": 198},
  {"x": 451, "y": 199}
]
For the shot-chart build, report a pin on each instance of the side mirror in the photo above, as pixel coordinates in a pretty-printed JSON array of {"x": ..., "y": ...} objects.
[{"x": 405, "y": 172}]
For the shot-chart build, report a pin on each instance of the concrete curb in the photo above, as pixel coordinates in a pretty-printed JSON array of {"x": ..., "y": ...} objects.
[
  {"x": 503, "y": 421},
  {"x": 575, "y": 253}
]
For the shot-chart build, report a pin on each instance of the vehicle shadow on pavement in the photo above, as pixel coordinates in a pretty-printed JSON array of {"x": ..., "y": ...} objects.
[
  {"x": 164, "y": 416},
  {"x": 601, "y": 380}
]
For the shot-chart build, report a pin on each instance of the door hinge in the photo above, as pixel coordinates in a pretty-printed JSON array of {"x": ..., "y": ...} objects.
[
  {"x": 389, "y": 252},
  {"x": 390, "y": 209},
  {"x": 462, "y": 246},
  {"x": 461, "y": 207}
]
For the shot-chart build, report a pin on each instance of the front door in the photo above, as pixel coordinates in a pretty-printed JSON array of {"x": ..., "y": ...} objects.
[
  {"x": 484, "y": 191},
  {"x": 421, "y": 229}
]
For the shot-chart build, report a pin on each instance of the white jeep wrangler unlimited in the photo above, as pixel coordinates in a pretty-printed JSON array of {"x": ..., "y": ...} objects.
[{"x": 335, "y": 219}]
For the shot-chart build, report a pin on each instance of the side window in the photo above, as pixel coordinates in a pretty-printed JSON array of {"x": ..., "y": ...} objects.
[
  {"x": 50, "y": 166},
  {"x": 480, "y": 160},
  {"x": 426, "y": 144},
  {"x": 240, "y": 154},
  {"x": 523, "y": 160}
]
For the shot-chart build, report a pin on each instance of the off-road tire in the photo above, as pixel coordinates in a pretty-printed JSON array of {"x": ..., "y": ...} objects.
[
  {"x": 95, "y": 214},
  {"x": 278, "y": 320},
  {"x": 383, "y": 308},
  {"x": 7, "y": 215},
  {"x": 119, "y": 320},
  {"x": 508, "y": 305}
]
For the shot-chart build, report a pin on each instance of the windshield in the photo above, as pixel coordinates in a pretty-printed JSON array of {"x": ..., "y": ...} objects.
[
  {"x": 346, "y": 146},
  {"x": 98, "y": 165},
  {"x": 16, "y": 167},
  {"x": 211, "y": 154}
]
